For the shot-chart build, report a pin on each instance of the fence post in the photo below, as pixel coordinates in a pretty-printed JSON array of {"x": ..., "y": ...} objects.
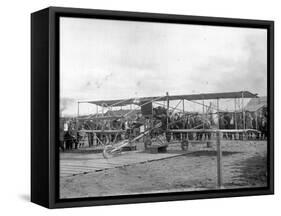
[
  {"x": 244, "y": 119},
  {"x": 77, "y": 121},
  {"x": 219, "y": 160}
]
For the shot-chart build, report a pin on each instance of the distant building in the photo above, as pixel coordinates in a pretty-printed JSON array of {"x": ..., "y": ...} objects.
[{"x": 256, "y": 104}]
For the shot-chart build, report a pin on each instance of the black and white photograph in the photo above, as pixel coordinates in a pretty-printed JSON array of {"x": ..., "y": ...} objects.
[{"x": 151, "y": 107}]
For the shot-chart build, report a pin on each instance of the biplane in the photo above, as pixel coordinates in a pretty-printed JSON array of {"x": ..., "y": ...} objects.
[{"x": 158, "y": 124}]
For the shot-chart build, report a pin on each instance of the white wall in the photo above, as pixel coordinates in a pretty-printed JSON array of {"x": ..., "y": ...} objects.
[{"x": 15, "y": 106}]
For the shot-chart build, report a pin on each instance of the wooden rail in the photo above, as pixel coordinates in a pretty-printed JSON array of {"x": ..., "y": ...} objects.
[
  {"x": 212, "y": 130},
  {"x": 103, "y": 131}
]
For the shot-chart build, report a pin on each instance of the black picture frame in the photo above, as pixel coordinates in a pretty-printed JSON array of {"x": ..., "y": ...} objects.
[{"x": 45, "y": 105}]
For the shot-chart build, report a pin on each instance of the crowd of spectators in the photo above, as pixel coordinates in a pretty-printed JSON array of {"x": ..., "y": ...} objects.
[{"x": 75, "y": 136}]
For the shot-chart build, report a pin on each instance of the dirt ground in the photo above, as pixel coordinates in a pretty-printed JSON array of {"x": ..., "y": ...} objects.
[{"x": 244, "y": 165}]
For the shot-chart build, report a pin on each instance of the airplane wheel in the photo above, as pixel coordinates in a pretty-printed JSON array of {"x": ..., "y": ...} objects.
[
  {"x": 147, "y": 143},
  {"x": 184, "y": 145},
  {"x": 168, "y": 137},
  {"x": 107, "y": 152},
  {"x": 209, "y": 144}
]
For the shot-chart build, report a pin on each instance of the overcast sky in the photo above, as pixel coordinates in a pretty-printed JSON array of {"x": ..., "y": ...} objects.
[{"x": 106, "y": 59}]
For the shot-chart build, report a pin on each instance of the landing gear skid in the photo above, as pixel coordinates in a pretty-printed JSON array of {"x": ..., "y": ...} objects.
[{"x": 109, "y": 153}]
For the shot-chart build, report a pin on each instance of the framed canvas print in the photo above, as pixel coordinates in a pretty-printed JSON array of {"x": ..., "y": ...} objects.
[{"x": 138, "y": 107}]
